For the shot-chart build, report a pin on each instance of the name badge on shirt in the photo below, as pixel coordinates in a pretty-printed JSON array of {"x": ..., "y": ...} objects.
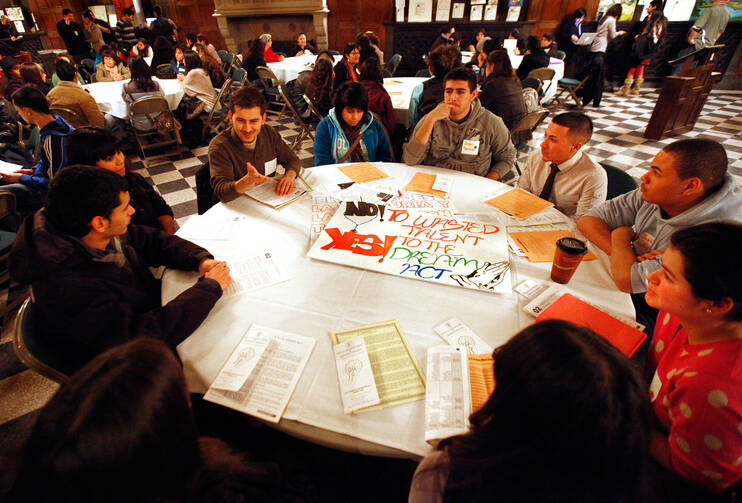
[
  {"x": 470, "y": 147},
  {"x": 270, "y": 167}
]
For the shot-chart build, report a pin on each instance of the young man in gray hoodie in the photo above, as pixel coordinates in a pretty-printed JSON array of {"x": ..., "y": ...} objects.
[
  {"x": 460, "y": 134},
  {"x": 687, "y": 185}
]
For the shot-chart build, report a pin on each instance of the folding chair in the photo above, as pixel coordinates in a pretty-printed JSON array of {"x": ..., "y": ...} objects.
[
  {"x": 393, "y": 63},
  {"x": 164, "y": 71},
  {"x": 561, "y": 55},
  {"x": 151, "y": 139},
  {"x": 239, "y": 77},
  {"x": 218, "y": 119},
  {"x": 570, "y": 86},
  {"x": 72, "y": 117},
  {"x": 305, "y": 130},
  {"x": 88, "y": 67},
  {"x": 619, "y": 181},
  {"x": 542, "y": 74},
  {"x": 312, "y": 108},
  {"x": 268, "y": 78},
  {"x": 31, "y": 351},
  {"x": 528, "y": 123}
]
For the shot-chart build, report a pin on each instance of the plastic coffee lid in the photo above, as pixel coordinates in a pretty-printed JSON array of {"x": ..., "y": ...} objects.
[{"x": 573, "y": 246}]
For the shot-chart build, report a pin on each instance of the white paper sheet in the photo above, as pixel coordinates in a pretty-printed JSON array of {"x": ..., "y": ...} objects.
[
  {"x": 199, "y": 227},
  {"x": 253, "y": 272},
  {"x": 357, "y": 385},
  {"x": 447, "y": 396},
  {"x": 530, "y": 289},
  {"x": 456, "y": 333},
  {"x": 443, "y": 183},
  {"x": 266, "y": 194},
  {"x": 268, "y": 389},
  {"x": 242, "y": 362},
  {"x": 7, "y": 168}
]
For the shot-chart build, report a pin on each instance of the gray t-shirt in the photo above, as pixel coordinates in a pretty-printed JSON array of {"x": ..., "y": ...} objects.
[{"x": 714, "y": 21}]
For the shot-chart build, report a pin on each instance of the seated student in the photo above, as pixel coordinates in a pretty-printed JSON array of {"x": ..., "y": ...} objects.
[
  {"x": 142, "y": 49},
  {"x": 12, "y": 80},
  {"x": 108, "y": 70},
  {"x": 208, "y": 46},
  {"x": 55, "y": 77},
  {"x": 212, "y": 66},
  {"x": 33, "y": 73},
  {"x": 30, "y": 185},
  {"x": 89, "y": 270},
  {"x": 252, "y": 58},
  {"x": 426, "y": 95},
  {"x": 460, "y": 134},
  {"x": 69, "y": 94},
  {"x": 502, "y": 93},
  {"x": 687, "y": 184},
  {"x": 79, "y": 450},
  {"x": 177, "y": 64},
  {"x": 90, "y": 146},
  {"x": 374, "y": 41},
  {"x": 270, "y": 56},
  {"x": 560, "y": 172},
  {"x": 350, "y": 133},
  {"x": 696, "y": 358},
  {"x": 197, "y": 83},
  {"x": 140, "y": 86},
  {"x": 568, "y": 421},
  {"x": 248, "y": 153},
  {"x": 302, "y": 48},
  {"x": 549, "y": 45},
  {"x": 347, "y": 68},
  {"x": 535, "y": 57},
  {"x": 379, "y": 101},
  {"x": 317, "y": 85}
]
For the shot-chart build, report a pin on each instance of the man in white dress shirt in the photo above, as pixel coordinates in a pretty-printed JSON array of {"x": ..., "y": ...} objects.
[{"x": 560, "y": 172}]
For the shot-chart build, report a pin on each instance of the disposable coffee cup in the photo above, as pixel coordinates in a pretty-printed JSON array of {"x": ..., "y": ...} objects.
[{"x": 568, "y": 255}]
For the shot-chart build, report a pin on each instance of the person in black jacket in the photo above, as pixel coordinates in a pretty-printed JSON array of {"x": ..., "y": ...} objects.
[
  {"x": 535, "y": 58},
  {"x": 347, "y": 68},
  {"x": 252, "y": 58},
  {"x": 73, "y": 36},
  {"x": 302, "y": 48},
  {"x": 502, "y": 93},
  {"x": 93, "y": 146},
  {"x": 90, "y": 274}
]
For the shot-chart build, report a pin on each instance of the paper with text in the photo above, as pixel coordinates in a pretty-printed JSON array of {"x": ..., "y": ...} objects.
[
  {"x": 266, "y": 193},
  {"x": 424, "y": 184},
  {"x": 397, "y": 375},
  {"x": 242, "y": 362},
  {"x": 253, "y": 272},
  {"x": 200, "y": 227},
  {"x": 456, "y": 333},
  {"x": 481, "y": 379},
  {"x": 357, "y": 386},
  {"x": 267, "y": 390},
  {"x": 447, "y": 395},
  {"x": 518, "y": 203}
]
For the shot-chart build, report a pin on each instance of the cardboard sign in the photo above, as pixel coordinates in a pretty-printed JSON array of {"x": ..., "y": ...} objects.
[{"x": 417, "y": 245}]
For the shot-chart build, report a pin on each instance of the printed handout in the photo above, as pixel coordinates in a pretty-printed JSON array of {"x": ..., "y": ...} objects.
[
  {"x": 357, "y": 386},
  {"x": 252, "y": 273}
]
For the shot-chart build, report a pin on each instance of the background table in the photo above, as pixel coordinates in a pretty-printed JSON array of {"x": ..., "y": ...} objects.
[
  {"x": 288, "y": 69},
  {"x": 110, "y": 99},
  {"x": 400, "y": 91},
  {"x": 321, "y": 296}
]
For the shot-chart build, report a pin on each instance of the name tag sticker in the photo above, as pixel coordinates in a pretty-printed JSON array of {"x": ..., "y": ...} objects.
[
  {"x": 270, "y": 167},
  {"x": 470, "y": 147}
]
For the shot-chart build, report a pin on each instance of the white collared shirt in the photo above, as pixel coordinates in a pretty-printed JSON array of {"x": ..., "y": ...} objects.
[{"x": 580, "y": 184}]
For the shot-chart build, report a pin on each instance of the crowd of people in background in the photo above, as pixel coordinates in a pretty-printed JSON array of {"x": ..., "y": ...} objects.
[{"x": 604, "y": 430}]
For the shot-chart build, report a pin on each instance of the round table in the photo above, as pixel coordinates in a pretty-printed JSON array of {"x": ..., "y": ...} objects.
[
  {"x": 288, "y": 69},
  {"x": 321, "y": 296},
  {"x": 110, "y": 100}
]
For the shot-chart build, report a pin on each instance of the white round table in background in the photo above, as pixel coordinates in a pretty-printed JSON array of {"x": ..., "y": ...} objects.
[
  {"x": 288, "y": 69},
  {"x": 110, "y": 99},
  {"x": 321, "y": 296}
]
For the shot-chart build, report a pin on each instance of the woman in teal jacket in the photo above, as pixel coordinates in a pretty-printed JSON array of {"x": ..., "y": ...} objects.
[{"x": 349, "y": 119}]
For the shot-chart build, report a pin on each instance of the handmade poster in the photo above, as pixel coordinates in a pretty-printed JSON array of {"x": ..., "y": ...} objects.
[
  {"x": 442, "y": 10},
  {"x": 423, "y": 203},
  {"x": 416, "y": 245},
  {"x": 421, "y": 11},
  {"x": 475, "y": 13}
]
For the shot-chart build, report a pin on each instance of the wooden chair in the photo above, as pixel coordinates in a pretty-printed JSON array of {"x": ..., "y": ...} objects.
[
  {"x": 312, "y": 108},
  {"x": 305, "y": 130},
  {"x": 542, "y": 74},
  {"x": 218, "y": 118},
  {"x": 570, "y": 86},
  {"x": 72, "y": 117},
  {"x": 152, "y": 139},
  {"x": 270, "y": 88},
  {"x": 30, "y": 350}
]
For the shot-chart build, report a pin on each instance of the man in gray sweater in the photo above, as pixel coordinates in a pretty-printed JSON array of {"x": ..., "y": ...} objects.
[
  {"x": 460, "y": 134},
  {"x": 687, "y": 185}
]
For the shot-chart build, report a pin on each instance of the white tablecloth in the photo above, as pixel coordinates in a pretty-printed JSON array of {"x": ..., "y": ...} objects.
[
  {"x": 400, "y": 91},
  {"x": 288, "y": 69},
  {"x": 320, "y": 297},
  {"x": 110, "y": 100}
]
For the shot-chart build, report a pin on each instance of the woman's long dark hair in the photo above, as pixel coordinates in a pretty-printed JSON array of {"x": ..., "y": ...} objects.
[
  {"x": 257, "y": 46},
  {"x": 502, "y": 65},
  {"x": 321, "y": 81},
  {"x": 568, "y": 421},
  {"x": 192, "y": 61},
  {"x": 119, "y": 430},
  {"x": 31, "y": 74},
  {"x": 212, "y": 66},
  {"x": 141, "y": 74},
  {"x": 613, "y": 11}
]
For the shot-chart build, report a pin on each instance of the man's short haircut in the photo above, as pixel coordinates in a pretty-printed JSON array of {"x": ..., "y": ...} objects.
[
  {"x": 462, "y": 73},
  {"x": 349, "y": 48},
  {"x": 549, "y": 37},
  {"x": 30, "y": 96},
  {"x": 440, "y": 61},
  {"x": 157, "y": 10},
  {"x": 580, "y": 125},
  {"x": 350, "y": 95},
  {"x": 88, "y": 145},
  {"x": 65, "y": 70},
  {"x": 701, "y": 158},
  {"x": 77, "y": 194},
  {"x": 66, "y": 11},
  {"x": 248, "y": 96},
  {"x": 128, "y": 11}
]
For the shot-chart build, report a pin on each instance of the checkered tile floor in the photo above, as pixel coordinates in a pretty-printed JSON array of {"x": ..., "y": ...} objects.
[{"x": 619, "y": 125}]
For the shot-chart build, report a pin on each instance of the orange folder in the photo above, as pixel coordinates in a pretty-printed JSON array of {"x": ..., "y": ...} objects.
[
  {"x": 568, "y": 307},
  {"x": 481, "y": 380},
  {"x": 423, "y": 183}
]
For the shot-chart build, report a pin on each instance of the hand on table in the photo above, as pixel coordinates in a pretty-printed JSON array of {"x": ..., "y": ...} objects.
[
  {"x": 16, "y": 176},
  {"x": 286, "y": 184},
  {"x": 208, "y": 264},
  {"x": 220, "y": 273},
  {"x": 253, "y": 177}
]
